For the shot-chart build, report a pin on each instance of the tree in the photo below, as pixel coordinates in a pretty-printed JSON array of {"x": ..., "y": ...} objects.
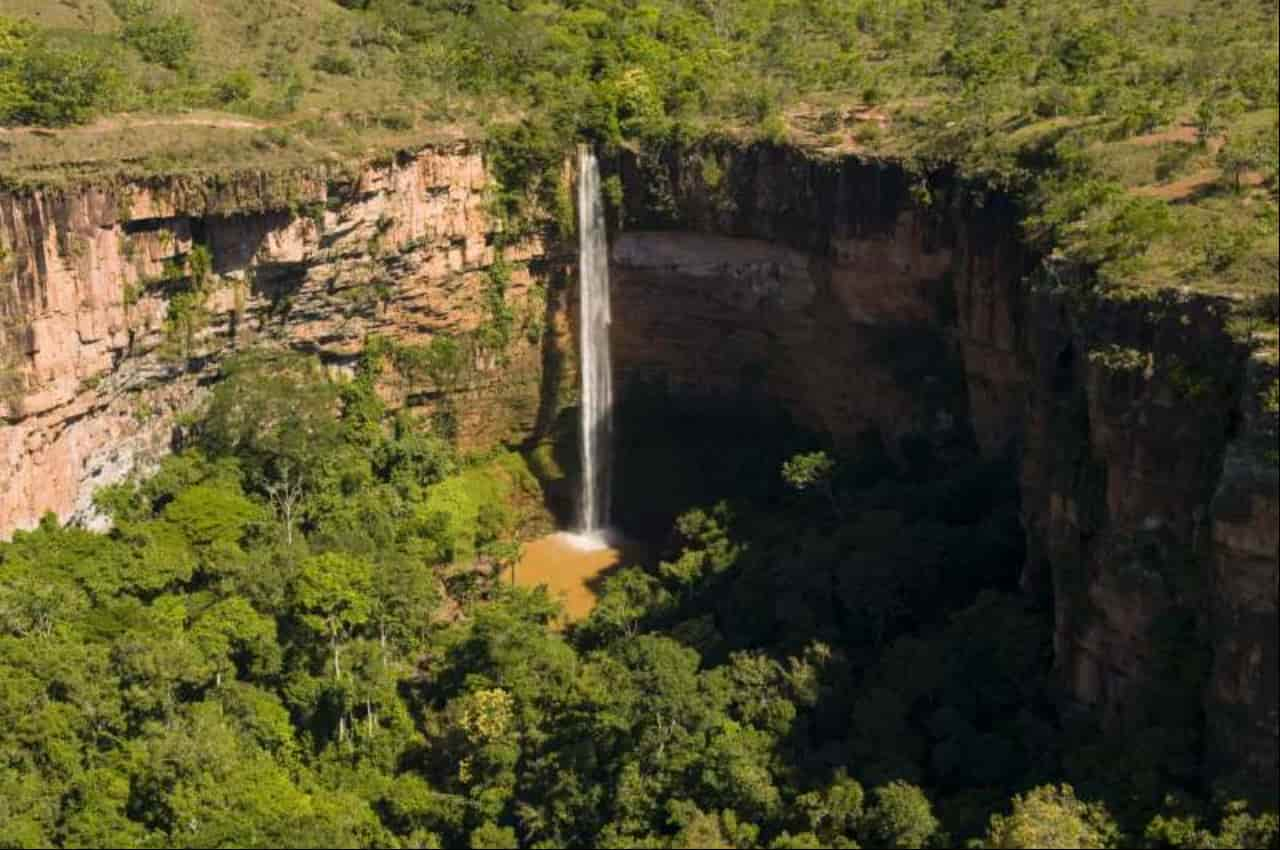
[
  {"x": 272, "y": 407},
  {"x": 412, "y": 807},
  {"x": 13, "y": 44},
  {"x": 812, "y": 471},
  {"x": 99, "y": 816},
  {"x": 494, "y": 837},
  {"x": 48, "y": 81},
  {"x": 1247, "y": 150},
  {"x": 627, "y": 598},
  {"x": 708, "y": 547},
  {"x": 1051, "y": 817},
  {"x": 196, "y": 782},
  {"x": 485, "y": 741},
  {"x": 214, "y": 514},
  {"x": 332, "y": 596},
  {"x": 833, "y": 813},
  {"x": 1238, "y": 828},
  {"x": 901, "y": 816},
  {"x": 697, "y": 829},
  {"x": 286, "y": 493},
  {"x": 803, "y": 841},
  {"x": 232, "y": 632},
  {"x": 407, "y": 593}
]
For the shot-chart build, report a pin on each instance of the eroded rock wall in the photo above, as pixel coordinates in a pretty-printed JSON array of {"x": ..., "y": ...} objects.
[
  {"x": 97, "y": 363},
  {"x": 1243, "y": 700},
  {"x": 856, "y": 297},
  {"x": 1150, "y": 506}
]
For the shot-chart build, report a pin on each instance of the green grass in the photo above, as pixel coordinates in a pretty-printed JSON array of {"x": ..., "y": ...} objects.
[
  {"x": 146, "y": 146},
  {"x": 156, "y": 120},
  {"x": 269, "y": 39}
]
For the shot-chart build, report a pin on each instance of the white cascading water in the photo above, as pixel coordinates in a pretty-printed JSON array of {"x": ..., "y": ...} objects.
[{"x": 597, "y": 369}]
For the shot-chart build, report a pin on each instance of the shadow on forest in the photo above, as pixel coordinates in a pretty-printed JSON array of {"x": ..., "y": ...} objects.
[{"x": 900, "y": 594}]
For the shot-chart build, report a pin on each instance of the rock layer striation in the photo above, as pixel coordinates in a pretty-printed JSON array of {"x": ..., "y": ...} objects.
[{"x": 101, "y": 356}]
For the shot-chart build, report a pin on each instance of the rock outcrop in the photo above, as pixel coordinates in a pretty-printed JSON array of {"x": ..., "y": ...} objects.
[{"x": 1150, "y": 506}]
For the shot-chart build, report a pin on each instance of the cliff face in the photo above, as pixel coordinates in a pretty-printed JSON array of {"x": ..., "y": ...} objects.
[
  {"x": 101, "y": 355},
  {"x": 1150, "y": 505},
  {"x": 856, "y": 296},
  {"x": 860, "y": 298},
  {"x": 824, "y": 287},
  {"x": 1243, "y": 700}
]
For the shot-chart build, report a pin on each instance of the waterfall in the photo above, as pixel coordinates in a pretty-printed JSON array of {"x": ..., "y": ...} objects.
[{"x": 593, "y": 334}]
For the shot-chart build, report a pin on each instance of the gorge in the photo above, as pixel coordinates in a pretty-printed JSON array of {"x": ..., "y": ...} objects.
[{"x": 760, "y": 275}]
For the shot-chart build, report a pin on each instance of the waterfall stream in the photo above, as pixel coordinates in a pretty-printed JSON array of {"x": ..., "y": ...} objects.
[{"x": 597, "y": 370}]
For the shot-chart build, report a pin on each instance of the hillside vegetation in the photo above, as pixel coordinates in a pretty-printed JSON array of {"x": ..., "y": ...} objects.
[{"x": 1142, "y": 134}]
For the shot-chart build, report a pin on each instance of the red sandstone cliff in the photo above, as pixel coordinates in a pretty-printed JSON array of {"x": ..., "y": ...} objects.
[{"x": 95, "y": 377}]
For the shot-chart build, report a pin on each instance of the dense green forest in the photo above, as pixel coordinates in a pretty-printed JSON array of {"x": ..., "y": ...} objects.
[{"x": 295, "y": 635}]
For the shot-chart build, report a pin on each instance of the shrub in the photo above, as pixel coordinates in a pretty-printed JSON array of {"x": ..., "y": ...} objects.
[
  {"x": 338, "y": 64},
  {"x": 51, "y": 82},
  {"x": 167, "y": 40},
  {"x": 868, "y": 132},
  {"x": 396, "y": 119},
  {"x": 1173, "y": 160},
  {"x": 774, "y": 129},
  {"x": 1246, "y": 150},
  {"x": 1224, "y": 245},
  {"x": 236, "y": 86}
]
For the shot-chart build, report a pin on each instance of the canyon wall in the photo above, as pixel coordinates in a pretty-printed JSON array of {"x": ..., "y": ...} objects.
[
  {"x": 860, "y": 298},
  {"x": 1150, "y": 502},
  {"x": 857, "y": 296},
  {"x": 104, "y": 347}
]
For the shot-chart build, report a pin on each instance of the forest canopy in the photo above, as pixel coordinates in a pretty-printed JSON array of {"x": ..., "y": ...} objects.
[{"x": 296, "y": 635}]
